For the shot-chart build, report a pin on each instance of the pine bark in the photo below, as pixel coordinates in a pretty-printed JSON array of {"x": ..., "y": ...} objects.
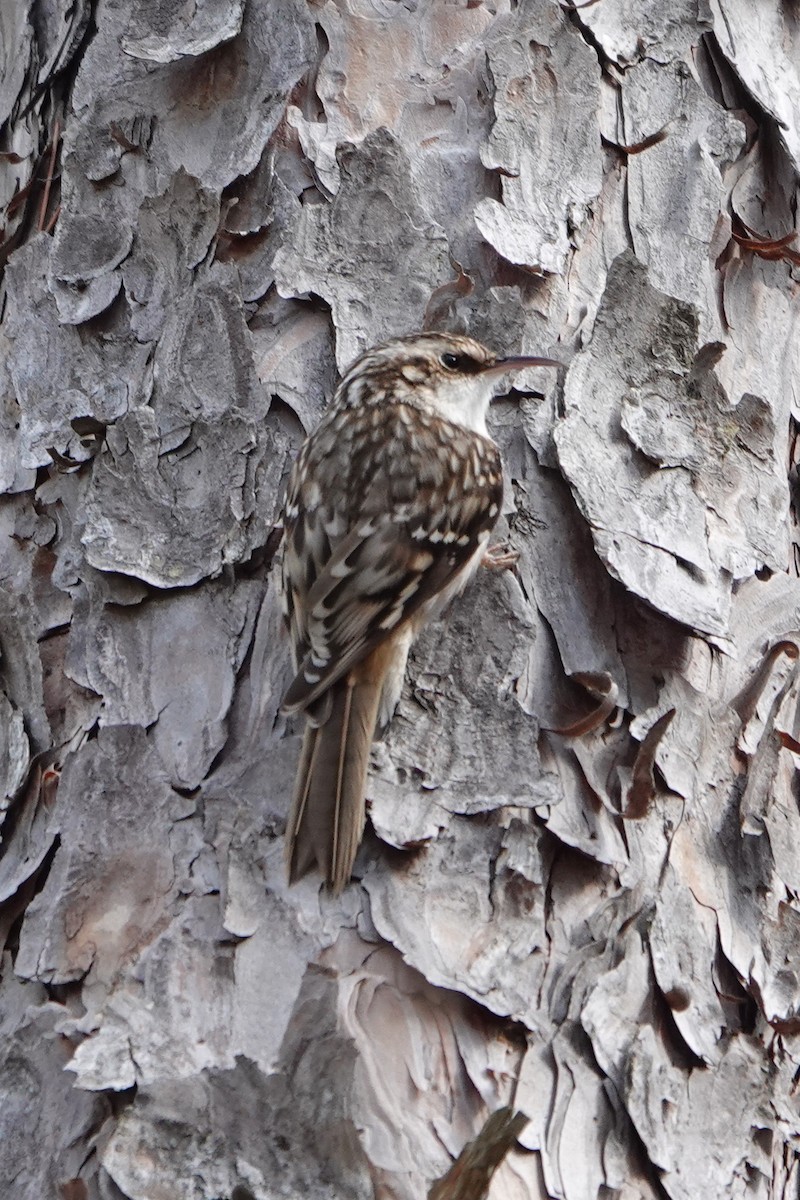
[{"x": 578, "y": 894}]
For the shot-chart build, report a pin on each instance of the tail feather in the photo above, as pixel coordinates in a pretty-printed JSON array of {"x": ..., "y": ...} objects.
[{"x": 327, "y": 816}]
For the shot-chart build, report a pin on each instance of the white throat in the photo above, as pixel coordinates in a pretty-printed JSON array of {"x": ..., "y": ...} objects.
[{"x": 466, "y": 401}]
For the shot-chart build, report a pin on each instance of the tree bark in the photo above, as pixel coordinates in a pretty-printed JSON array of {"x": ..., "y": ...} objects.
[{"x": 578, "y": 893}]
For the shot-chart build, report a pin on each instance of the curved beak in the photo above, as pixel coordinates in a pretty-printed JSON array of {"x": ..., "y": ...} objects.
[{"x": 520, "y": 362}]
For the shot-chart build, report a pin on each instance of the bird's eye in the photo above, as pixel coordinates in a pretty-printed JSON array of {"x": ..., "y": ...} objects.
[{"x": 464, "y": 363}]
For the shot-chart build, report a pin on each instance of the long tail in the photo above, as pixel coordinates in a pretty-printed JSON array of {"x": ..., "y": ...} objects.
[{"x": 327, "y": 816}]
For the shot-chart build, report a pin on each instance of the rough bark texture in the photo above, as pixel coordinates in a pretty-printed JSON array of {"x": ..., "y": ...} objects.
[{"x": 208, "y": 209}]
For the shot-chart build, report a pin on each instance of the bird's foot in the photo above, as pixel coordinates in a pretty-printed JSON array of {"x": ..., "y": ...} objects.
[{"x": 501, "y": 557}]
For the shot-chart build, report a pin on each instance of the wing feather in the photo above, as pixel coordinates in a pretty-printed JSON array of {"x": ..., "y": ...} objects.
[{"x": 408, "y": 518}]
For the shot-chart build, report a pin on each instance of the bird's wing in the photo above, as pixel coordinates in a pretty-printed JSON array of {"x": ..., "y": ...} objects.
[{"x": 371, "y": 540}]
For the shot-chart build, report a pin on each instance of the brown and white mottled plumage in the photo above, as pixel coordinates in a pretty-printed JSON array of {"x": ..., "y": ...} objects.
[{"x": 388, "y": 512}]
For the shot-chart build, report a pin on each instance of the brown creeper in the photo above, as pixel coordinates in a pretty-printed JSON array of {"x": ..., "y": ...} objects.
[{"x": 388, "y": 512}]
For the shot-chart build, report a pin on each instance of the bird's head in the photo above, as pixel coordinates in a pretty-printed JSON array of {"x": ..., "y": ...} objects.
[{"x": 450, "y": 374}]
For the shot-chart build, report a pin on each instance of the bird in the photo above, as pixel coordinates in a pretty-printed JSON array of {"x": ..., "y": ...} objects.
[{"x": 388, "y": 512}]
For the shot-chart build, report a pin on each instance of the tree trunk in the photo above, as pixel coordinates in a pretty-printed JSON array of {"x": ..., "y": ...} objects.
[{"x": 578, "y": 895}]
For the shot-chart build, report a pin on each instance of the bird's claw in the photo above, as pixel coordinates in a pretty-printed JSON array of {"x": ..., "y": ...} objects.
[{"x": 501, "y": 557}]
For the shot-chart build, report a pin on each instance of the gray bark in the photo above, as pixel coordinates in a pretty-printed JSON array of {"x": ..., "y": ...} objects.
[{"x": 578, "y": 895}]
